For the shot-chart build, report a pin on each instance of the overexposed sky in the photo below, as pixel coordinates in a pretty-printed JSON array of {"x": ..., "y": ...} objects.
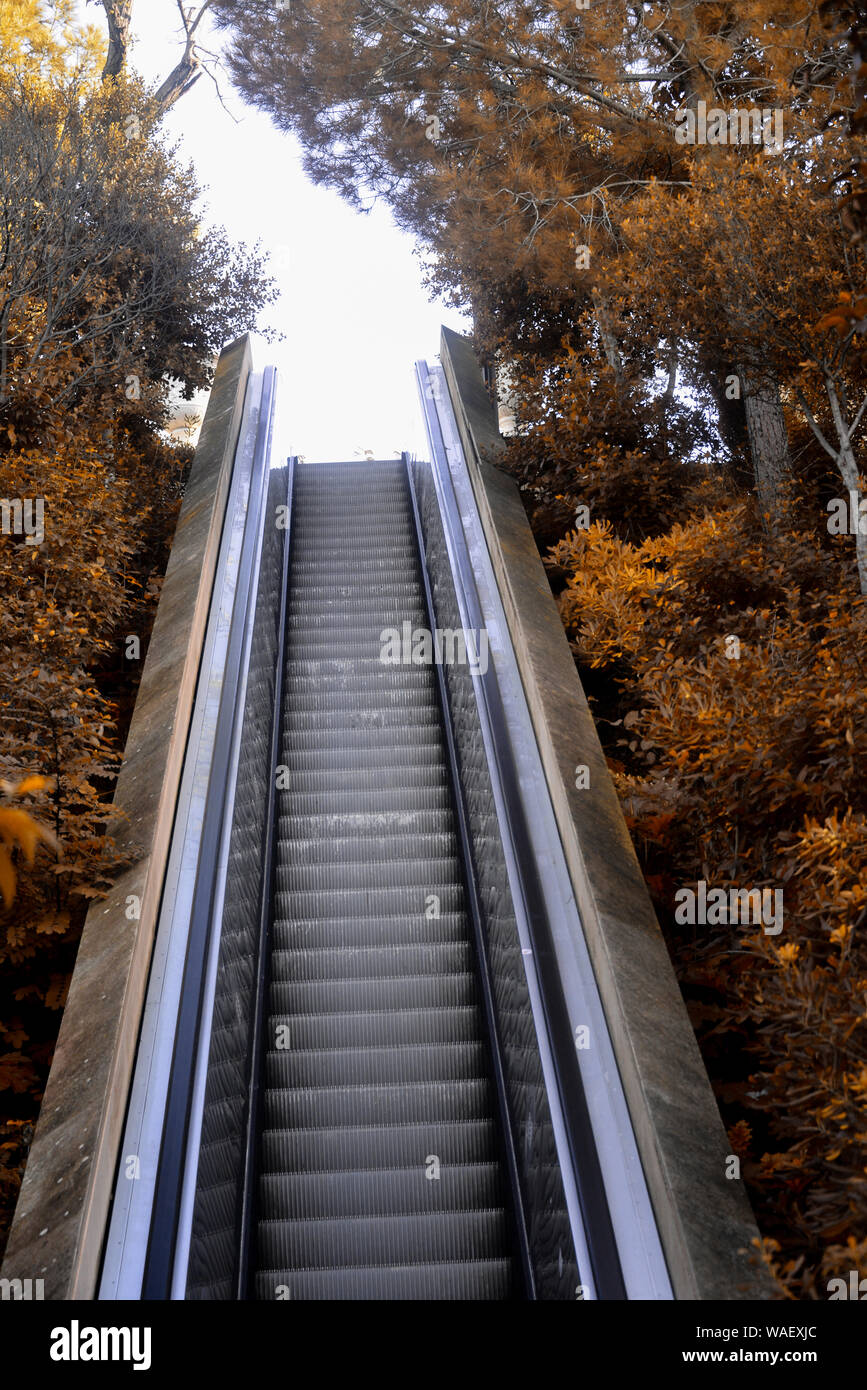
[{"x": 352, "y": 306}]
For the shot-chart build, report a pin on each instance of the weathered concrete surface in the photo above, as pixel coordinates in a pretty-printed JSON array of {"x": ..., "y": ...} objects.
[
  {"x": 59, "y": 1225},
  {"x": 705, "y": 1221}
]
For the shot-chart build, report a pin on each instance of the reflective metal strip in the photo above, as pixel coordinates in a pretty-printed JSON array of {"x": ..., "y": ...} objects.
[
  {"x": 255, "y": 518},
  {"x": 126, "y": 1244}
]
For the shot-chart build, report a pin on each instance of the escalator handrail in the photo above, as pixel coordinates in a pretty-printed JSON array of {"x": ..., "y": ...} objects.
[
  {"x": 248, "y": 1213},
  {"x": 517, "y": 1212},
  {"x": 174, "y": 1156}
]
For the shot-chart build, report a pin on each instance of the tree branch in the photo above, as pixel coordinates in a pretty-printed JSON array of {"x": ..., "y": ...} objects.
[{"x": 184, "y": 74}]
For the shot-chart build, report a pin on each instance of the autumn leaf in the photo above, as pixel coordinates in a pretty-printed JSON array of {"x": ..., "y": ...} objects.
[
  {"x": 19, "y": 827},
  {"x": 17, "y": 1073},
  {"x": 33, "y": 783},
  {"x": 55, "y": 995}
]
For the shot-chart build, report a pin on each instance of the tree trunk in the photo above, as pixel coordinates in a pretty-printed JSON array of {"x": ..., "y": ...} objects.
[
  {"x": 769, "y": 441},
  {"x": 609, "y": 341},
  {"x": 117, "y": 13},
  {"x": 848, "y": 467}
]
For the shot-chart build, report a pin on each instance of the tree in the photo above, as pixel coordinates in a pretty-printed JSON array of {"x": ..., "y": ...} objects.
[
  {"x": 108, "y": 289},
  {"x": 508, "y": 136},
  {"x": 104, "y": 279},
  {"x": 47, "y": 39},
  {"x": 759, "y": 252}
]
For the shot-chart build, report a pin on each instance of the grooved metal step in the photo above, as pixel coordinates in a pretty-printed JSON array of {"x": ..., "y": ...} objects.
[
  {"x": 382, "y": 931},
  {"x": 483, "y": 1279},
  {"x": 359, "y": 1147},
  {"x": 383, "y": 1240},
  {"x": 377, "y": 1066},
  {"x": 396, "y": 1028},
  {"x": 372, "y": 997},
  {"x": 394, "y": 1192}
]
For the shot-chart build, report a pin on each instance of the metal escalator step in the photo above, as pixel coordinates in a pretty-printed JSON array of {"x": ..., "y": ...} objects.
[
  {"x": 376, "y": 1066},
  {"x": 386, "y": 560},
  {"x": 382, "y": 995},
  {"x": 361, "y": 825},
  {"x": 356, "y": 903},
  {"x": 338, "y": 544},
  {"x": 371, "y": 962},
  {"x": 385, "y": 689},
  {"x": 325, "y": 604},
  {"x": 386, "y": 1240},
  {"x": 358, "y": 645},
  {"x": 367, "y": 673},
  {"x": 346, "y": 630},
  {"x": 479, "y": 1280},
  {"x": 388, "y": 1192},
  {"x": 341, "y": 724},
  {"x": 367, "y": 800},
  {"x": 411, "y": 1102},
  {"x": 397, "y": 1028},
  {"x": 368, "y": 876},
  {"x": 361, "y": 748},
  {"x": 347, "y": 615},
  {"x": 341, "y": 849},
  {"x": 379, "y": 931},
  {"x": 310, "y": 593},
  {"x": 358, "y": 779},
  {"x": 360, "y": 1147}
]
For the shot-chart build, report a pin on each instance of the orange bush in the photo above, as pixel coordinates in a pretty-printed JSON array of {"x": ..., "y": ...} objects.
[{"x": 750, "y": 769}]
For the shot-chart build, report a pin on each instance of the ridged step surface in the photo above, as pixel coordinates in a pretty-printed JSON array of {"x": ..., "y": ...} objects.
[{"x": 380, "y": 1172}]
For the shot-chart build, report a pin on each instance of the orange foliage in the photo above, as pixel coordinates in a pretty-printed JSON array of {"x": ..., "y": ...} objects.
[
  {"x": 68, "y": 604},
  {"x": 19, "y": 828},
  {"x": 751, "y": 770}
]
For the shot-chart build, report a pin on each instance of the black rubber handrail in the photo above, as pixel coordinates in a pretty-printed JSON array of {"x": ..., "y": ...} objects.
[
  {"x": 159, "y": 1263},
  {"x": 248, "y": 1194},
  {"x": 517, "y": 1213},
  {"x": 586, "y": 1168}
]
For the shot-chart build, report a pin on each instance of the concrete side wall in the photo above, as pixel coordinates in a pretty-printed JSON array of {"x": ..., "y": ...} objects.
[
  {"x": 59, "y": 1225},
  {"x": 705, "y": 1221}
]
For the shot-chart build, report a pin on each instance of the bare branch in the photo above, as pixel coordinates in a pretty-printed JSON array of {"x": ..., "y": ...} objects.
[{"x": 184, "y": 74}]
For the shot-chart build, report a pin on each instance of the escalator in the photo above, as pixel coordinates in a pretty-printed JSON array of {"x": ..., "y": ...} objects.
[{"x": 360, "y": 1072}]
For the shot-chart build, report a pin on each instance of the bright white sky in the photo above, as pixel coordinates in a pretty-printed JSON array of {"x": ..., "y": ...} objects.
[{"x": 352, "y": 305}]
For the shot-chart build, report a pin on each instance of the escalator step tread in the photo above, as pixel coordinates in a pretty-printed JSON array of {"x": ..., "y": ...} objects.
[
  {"x": 383, "y": 1240},
  {"x": 323, "y": 1150},
  {"x": 386, "y": 1192},
  {"x": 293, "y": 1070},
  {"x": 383, "y": 995},
  {"x": 393, "y": 1028},
  {"x": 352, "y": 961},
  {"x": 480, "y": 1280}
]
